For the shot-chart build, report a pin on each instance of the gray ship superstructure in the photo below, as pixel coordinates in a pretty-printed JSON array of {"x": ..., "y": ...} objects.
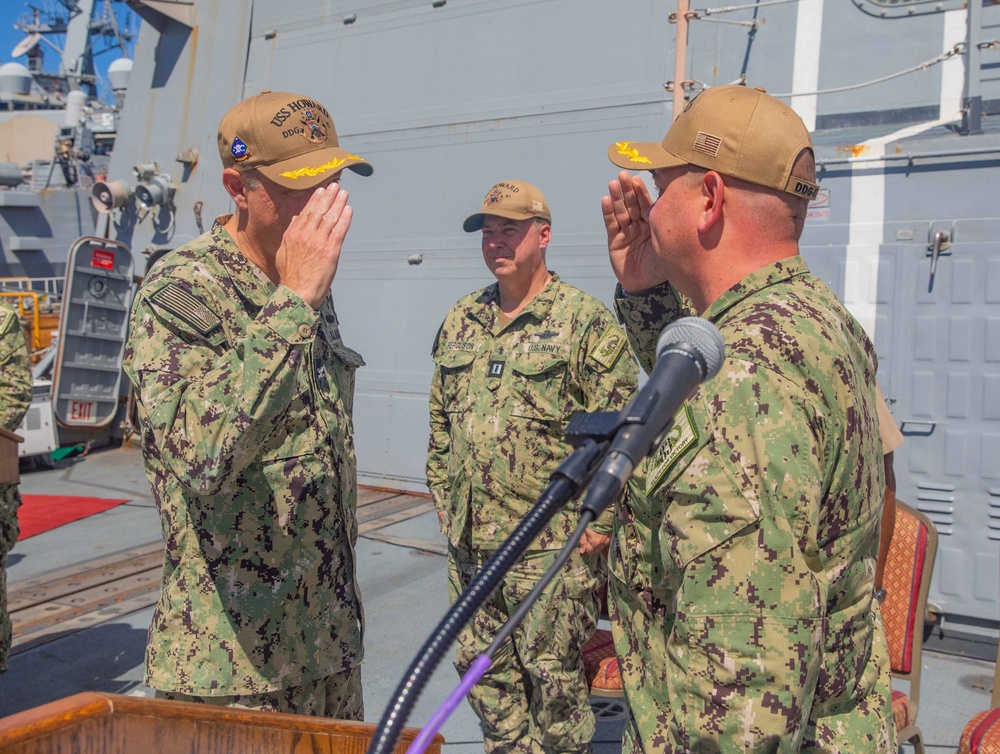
[{"x": 445, "y": 97}]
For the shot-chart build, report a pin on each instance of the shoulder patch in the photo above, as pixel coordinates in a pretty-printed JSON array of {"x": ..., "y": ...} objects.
[
  {"x": 179, "y": 301},
  {"x": 610, "y": 347},
  {"x": 681, "y": 436}
]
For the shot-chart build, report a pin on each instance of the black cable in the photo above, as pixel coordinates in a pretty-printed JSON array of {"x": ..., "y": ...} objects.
[
  {"x": 566, "y": 481},
  {"x": 522, "y": 610}
]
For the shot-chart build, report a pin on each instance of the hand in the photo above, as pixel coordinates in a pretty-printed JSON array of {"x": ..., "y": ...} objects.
[
  {"x": 592, "y": 542},
  {"x": 310, "y": 248},
  {"x": 630, "y": 243}
]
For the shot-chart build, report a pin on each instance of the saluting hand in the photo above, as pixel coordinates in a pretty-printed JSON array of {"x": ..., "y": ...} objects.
[
  {"x": 630, "y": 244},
  {"x": 310, "y": 248}
]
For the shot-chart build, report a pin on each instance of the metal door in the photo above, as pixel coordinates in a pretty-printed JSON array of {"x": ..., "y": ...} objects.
[
  {"x": 92, "y": 331},
  {"x": 944, "y": 390}
]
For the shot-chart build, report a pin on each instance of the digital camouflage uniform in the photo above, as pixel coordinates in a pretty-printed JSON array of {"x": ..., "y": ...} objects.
[
  {"x": 742, "y": 568},
  {"x": 245, "y": 396},
  {"x": 15, "y": 398},
  {"x": 500, "y": 399}
]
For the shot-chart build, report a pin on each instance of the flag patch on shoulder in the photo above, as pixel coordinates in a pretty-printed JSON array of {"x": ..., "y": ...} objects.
[{"x": 182, "y": 304}]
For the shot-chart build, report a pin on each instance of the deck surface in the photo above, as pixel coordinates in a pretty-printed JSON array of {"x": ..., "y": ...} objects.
[
  {"x": 82, "y": 596},
  {"x": 73, "y": 598}
]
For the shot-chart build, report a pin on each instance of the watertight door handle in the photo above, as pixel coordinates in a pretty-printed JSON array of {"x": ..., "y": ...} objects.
[{"x": 939, "y": 242}]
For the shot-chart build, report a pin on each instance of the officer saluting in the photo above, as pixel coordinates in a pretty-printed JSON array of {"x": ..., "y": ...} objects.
[{"x": 245, "y": 394}]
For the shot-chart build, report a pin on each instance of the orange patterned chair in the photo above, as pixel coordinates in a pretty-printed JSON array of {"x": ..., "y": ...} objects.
[
  {"x": 906, "y": 579},
  {"x": 982, "y": 733},
  {"x": 600, "y": 666}
]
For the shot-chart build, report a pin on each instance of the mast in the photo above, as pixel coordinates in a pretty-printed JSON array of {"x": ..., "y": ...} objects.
[
  {"x": 77, "y": 60},
  {"x": 680, "y": 58}
]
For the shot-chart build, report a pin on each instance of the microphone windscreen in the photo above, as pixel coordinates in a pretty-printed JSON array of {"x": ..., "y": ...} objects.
[{"x": 697, "y": 337}]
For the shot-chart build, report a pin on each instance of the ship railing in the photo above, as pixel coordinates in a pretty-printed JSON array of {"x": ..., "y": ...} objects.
[
  {"x": 38, "y": 302},
  {"x": 24, "y": 312},
  {"x": 49, "y": 289}
]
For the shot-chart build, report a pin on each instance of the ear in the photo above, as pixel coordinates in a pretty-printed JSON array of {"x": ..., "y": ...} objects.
[
  {"x": 544, "y": 236},
  {"x": 232, "y": 181},
  {"x": 712, "y": 196}
]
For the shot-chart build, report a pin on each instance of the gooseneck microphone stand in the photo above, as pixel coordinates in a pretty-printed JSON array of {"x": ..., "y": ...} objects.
[
  {"x": 484, "y": 661},
  {"x": 565, "y": 482},
  {"x": 608, "y": 446}
]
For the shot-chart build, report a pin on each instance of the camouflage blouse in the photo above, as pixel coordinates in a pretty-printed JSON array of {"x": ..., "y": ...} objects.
[
  {"x": 15, "y": 369},
  {"x": 245, "y": 396},
  {"x": 501, "y": 398},
  {"x": 743, "y": 561}
]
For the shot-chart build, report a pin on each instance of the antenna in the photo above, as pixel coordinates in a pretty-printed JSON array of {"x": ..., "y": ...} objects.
[{"x": 26, "y": 45}]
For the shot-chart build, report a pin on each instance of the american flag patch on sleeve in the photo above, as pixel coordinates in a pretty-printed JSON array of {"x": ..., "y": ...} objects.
[{"x": 182, "y": 304}]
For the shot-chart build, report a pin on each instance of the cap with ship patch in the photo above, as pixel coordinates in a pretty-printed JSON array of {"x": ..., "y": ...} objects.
[
  {"x": 741, "y": 132},
  {"x": 289, "y": 138},
  {"x": 514, "y": 200}
]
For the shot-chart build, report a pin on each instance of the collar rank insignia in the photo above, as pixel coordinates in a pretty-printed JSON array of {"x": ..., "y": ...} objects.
[{"x": 239, "y": 150}]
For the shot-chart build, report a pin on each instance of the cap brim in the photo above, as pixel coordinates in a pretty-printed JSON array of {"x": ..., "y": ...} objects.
[
  {"x": 311, "y": 169},
  {"x": 642, "y": 155},
  {"x": 475, "y": 222}
]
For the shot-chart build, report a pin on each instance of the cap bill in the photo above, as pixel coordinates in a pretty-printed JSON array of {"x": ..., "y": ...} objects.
[
  {"x": 475, "y": 222},
  {"x": 642, "y": 155},
  {"x": 308, "y": 170}
]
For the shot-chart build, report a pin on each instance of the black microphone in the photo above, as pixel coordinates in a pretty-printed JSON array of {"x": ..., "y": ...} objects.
[{"x": 689, "y": 351}]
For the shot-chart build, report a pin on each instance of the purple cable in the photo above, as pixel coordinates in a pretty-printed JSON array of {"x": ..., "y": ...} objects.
[{"x": 442, "y": 713}]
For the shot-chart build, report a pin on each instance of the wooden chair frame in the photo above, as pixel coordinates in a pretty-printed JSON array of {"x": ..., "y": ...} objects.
[{"x": 911, "y": 732}]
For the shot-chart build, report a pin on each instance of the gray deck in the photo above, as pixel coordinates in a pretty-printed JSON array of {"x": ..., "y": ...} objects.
[{"x": 402, "y": 575}]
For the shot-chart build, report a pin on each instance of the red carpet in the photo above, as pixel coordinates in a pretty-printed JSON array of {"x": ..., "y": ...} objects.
[{"x": 39, "y": 513}]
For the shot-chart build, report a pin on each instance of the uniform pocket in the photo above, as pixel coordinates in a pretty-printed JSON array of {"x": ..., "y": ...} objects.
[
  {"x": 537, "y": 386},
  {"x": 456, "y": 376},
  {"x": 344, "y": 374},
  {"x": 703, "y": 505},
  {"x": 743, "y": 668},
  {"x": 285, "y": 467}
]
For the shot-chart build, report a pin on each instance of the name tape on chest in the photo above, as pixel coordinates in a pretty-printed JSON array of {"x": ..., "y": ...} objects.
[{"x": 543, "y": 348}]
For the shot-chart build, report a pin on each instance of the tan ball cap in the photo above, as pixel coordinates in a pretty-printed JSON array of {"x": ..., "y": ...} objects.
[
  {"x": 736, "y": 131},
  {"x": 289, "y": 138},
  {"x": 514, "y": 200}
]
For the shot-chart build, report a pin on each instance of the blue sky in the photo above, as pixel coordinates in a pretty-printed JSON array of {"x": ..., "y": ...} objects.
[{"x": 9, "y": 36}]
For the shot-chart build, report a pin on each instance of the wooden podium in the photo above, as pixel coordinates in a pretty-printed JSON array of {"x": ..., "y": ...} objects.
[{"x": 98, "y": 723}]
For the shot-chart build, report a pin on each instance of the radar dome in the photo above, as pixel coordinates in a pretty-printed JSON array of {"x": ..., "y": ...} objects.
[
  {"x": 119, "y": 72},
  {"x": 14, "y": 79}
]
